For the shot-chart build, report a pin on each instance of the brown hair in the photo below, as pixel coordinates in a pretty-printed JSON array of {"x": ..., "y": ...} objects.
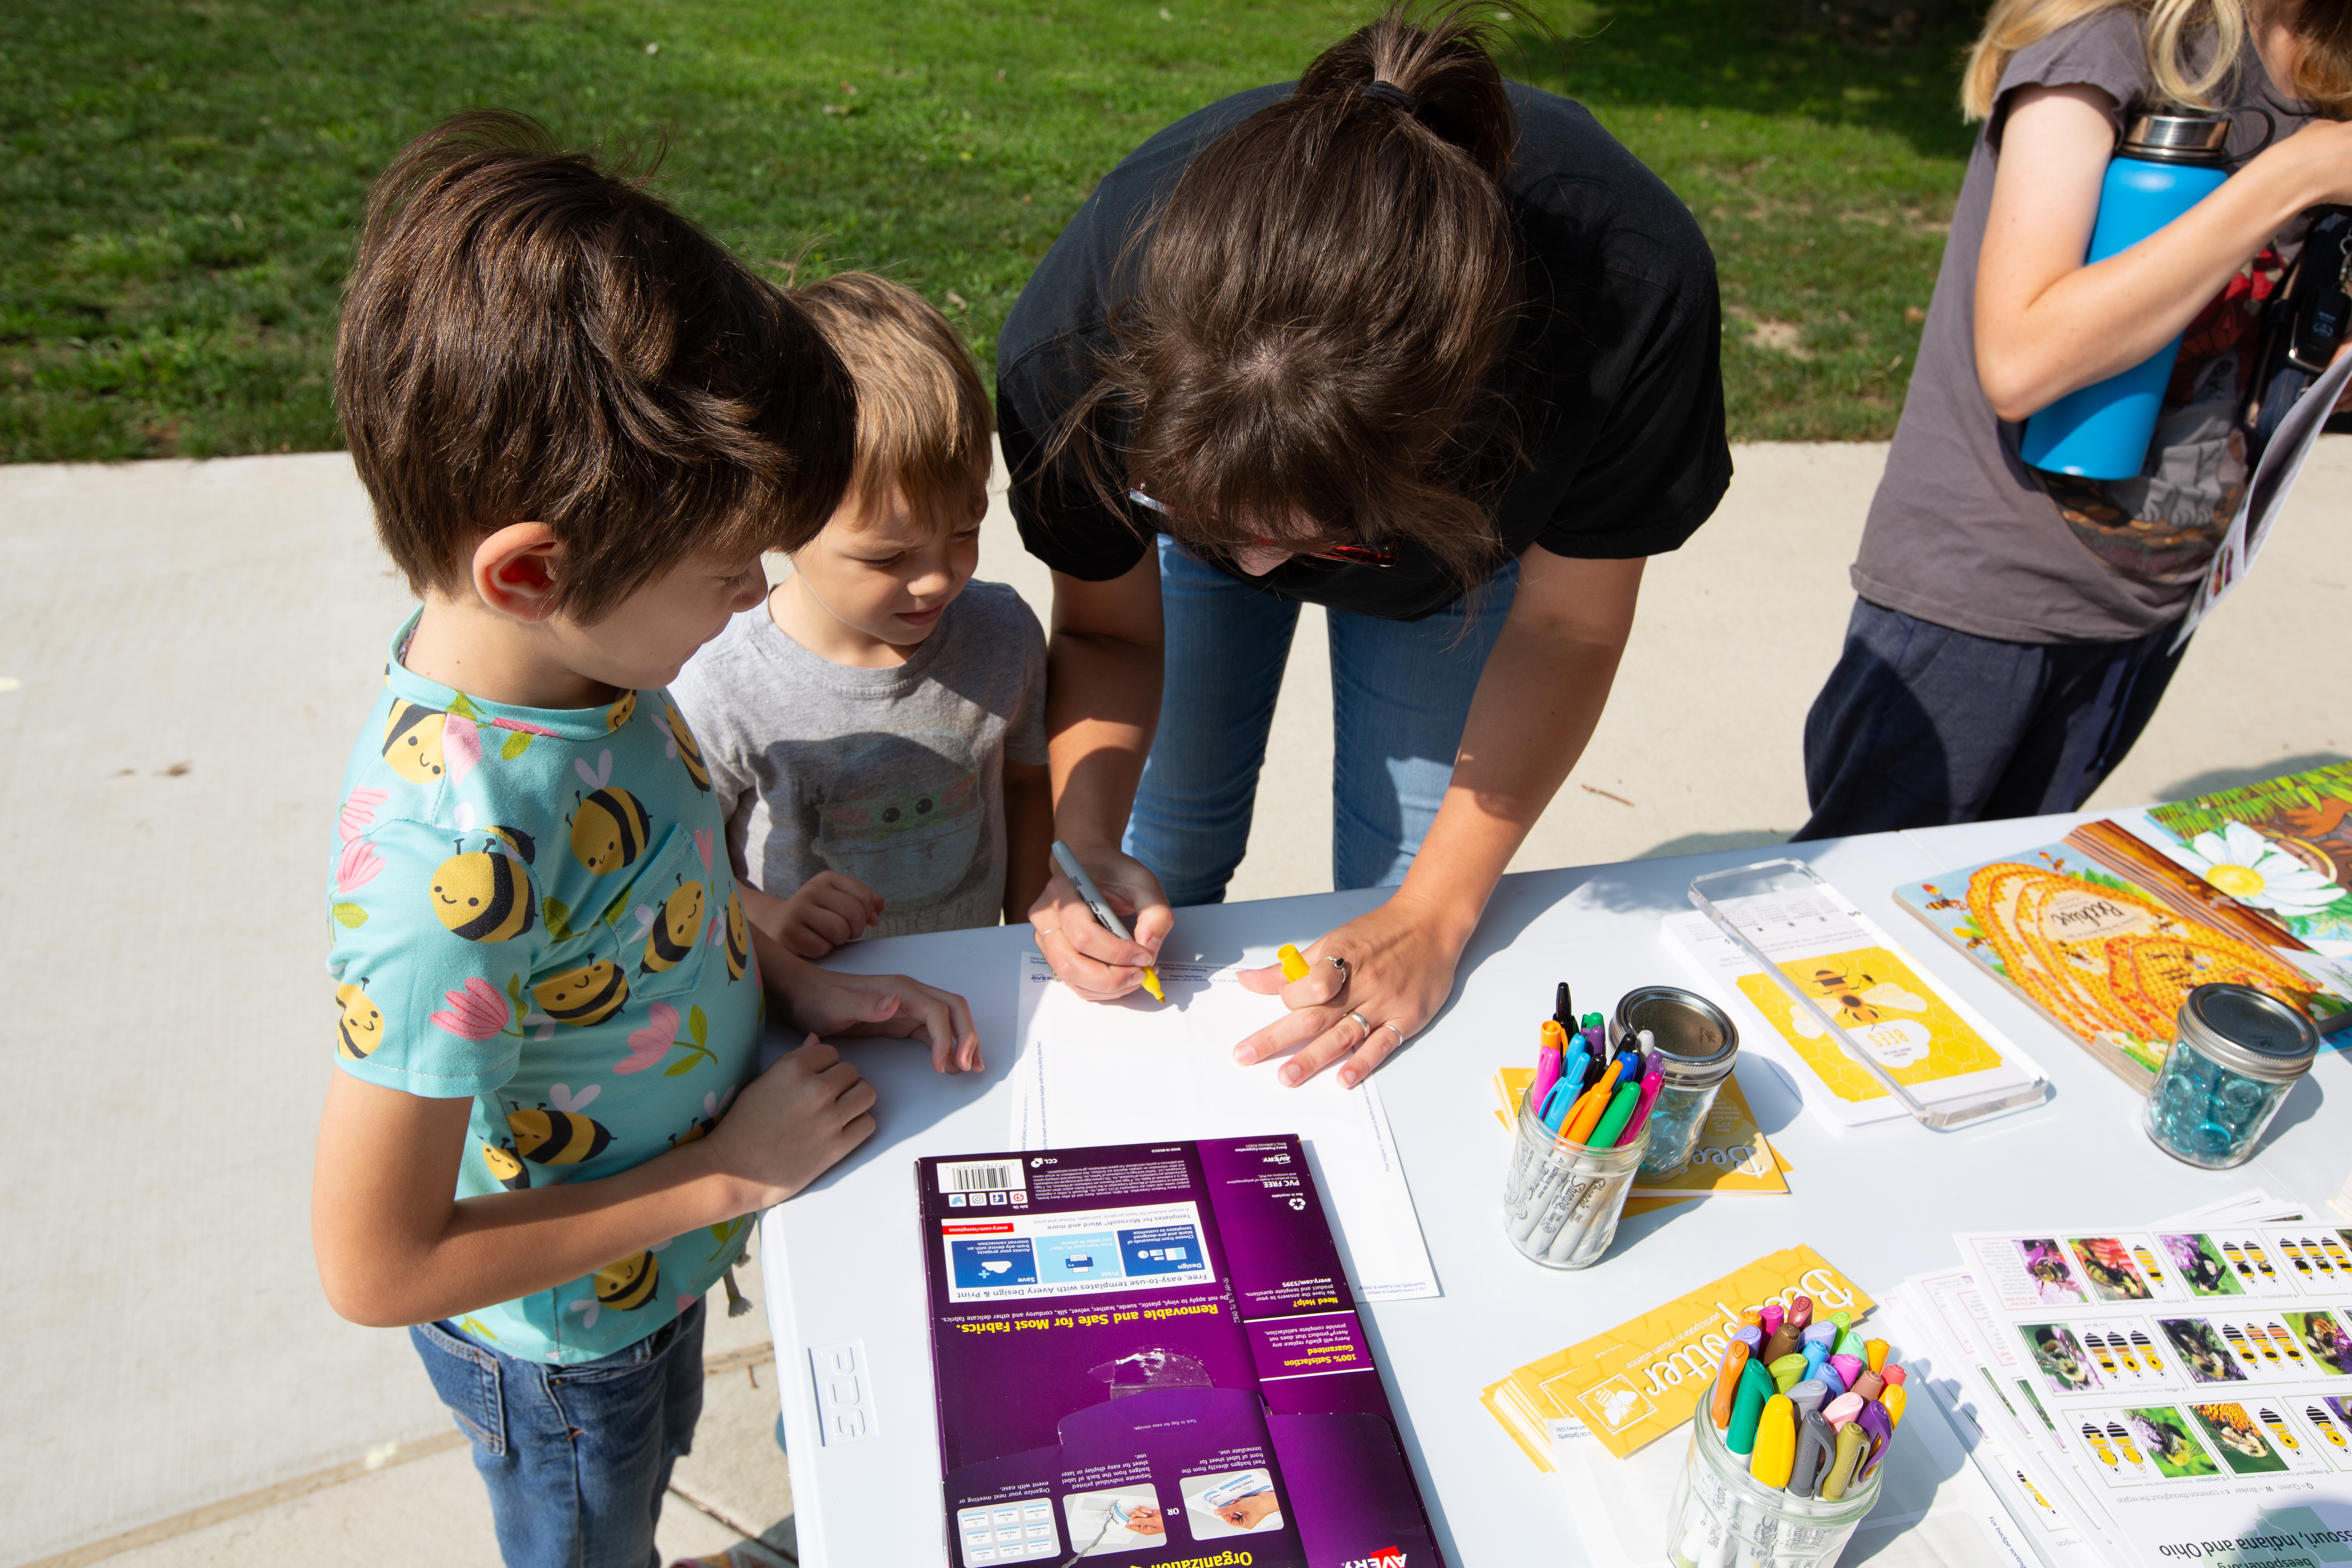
[
  {"x": 529, "y": 336},
  {"x": 1318, "y": 307},
  {"x": 922, "y": 415},
  {"x": 2174, "y": 30}
]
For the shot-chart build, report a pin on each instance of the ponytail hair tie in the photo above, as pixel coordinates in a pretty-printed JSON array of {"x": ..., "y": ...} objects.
[{"x": 1390, "y": 92}]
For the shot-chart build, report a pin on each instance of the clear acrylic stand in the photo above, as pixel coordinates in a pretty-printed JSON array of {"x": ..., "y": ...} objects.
[{"x": 1791, "y": 881}]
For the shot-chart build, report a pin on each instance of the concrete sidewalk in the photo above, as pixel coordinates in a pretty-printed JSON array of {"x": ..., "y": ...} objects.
[{"x": 184, "y": 652}]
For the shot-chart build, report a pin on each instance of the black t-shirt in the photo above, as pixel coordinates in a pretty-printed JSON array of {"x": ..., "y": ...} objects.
[{"x": 1613, "y": 373}]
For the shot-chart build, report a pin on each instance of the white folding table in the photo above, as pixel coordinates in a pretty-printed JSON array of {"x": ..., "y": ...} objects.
[{"x": 844, "y": 1268}]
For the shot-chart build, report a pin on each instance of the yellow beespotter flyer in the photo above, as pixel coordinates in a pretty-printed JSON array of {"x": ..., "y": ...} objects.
[
  {"x": 1641, "y": 1380},
  {"x": 1732, "y": 1156}
]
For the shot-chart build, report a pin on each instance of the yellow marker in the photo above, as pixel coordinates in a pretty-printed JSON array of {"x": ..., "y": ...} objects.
[
  {"x": 1775, "y": 1455},
  {"x": 1876, "y": 1350},
  {"x": 1892, "y": 1399},
  {"x": 1294, "y": 963},
  {"x": 1151, "y": 984}
]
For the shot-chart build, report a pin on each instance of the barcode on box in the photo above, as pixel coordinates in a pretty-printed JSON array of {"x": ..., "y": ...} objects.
[{"x": 989, "y": 1176}]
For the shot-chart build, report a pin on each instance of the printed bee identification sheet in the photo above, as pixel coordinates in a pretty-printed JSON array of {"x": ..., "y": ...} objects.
[
  {"x": 1137, "y": 1071},
  {"x": 2197, "y": 1375}
]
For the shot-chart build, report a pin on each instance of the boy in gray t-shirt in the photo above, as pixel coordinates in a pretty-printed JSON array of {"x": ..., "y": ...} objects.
[{"x": 875, "y": 731}]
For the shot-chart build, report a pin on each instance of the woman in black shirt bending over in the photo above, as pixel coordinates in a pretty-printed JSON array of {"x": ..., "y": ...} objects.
[{"x": 1404, "y": 339}]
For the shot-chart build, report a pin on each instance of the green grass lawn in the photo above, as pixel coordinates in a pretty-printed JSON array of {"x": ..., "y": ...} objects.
[{"x": 182, "y": 180}]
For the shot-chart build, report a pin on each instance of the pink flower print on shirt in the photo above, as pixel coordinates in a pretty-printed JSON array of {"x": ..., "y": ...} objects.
[
  {"x": 357, "y": 866},
  {"x": 650, "y": 1043},
  {"x": 358, "y": 811},
  {"x": 702, "y": 844},
  {"x": 461, "y": 747},
  {"x": 475, "y": 1012}
]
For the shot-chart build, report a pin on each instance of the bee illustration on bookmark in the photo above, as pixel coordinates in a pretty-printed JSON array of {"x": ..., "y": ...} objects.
[{"x": 2127, "y": 1352}]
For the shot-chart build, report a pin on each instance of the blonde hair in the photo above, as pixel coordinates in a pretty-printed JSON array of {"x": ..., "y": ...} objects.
[
  {"x": 2170, "y": 29},
  {"x": 923, "y": 418}
]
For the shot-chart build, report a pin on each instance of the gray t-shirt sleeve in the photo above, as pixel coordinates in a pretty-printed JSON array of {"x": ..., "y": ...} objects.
[{"x": 2104, "y": 51}]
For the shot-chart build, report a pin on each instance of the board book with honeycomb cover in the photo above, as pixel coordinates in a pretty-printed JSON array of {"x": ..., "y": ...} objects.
[{"x": 2105, "y": 959}]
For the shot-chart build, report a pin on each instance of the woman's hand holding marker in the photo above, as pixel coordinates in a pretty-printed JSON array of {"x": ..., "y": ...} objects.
[{"x": 1101, "y": 964}]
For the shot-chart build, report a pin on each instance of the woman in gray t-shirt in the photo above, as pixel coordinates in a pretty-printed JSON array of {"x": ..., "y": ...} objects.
[{"x": 2013, "y": 628}]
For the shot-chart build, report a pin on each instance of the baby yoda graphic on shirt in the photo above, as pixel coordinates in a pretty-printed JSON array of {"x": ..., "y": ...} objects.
[{"x": 901, "y": 814}]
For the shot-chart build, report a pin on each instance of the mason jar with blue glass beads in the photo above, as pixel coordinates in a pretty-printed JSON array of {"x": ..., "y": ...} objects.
[{"x": 2236, "y": 1055}]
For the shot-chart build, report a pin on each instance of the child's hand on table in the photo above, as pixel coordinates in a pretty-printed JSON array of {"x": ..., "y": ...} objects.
[
  {"x": 792, "y": 1123},
  {"x": 826, "y": 911},
  {"x": 824, "y": 1002}
]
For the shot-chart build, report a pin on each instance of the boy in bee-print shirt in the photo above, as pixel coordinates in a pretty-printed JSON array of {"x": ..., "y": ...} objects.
[{"x": 548, "y": 1133}]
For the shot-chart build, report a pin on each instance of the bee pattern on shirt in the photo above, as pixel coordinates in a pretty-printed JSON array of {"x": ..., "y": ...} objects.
[
  {"x": 621, "y": 711},
  {"x": 506, "y": 1166},
  {"x": 714, "y": 1105},
  {"x": 588, "y": 995},
  {"x": 610, "y": 829},
  {"x": 738, "y": 936},
  {"x": 674, "y": 928},
  {"x": 687, "y": 751},
  {"x": 563, "y": 1136},
  {"x": 521, "y": 844},
  {"x": 483, "y": 895},
  {"x": 411, "y": 742},
  {"x": 360, "y": 1028},
  {"x": 629, "y": 1284}
]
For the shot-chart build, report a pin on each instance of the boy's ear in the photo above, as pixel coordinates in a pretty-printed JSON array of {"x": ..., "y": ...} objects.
[{"x": 515, "y": 568}]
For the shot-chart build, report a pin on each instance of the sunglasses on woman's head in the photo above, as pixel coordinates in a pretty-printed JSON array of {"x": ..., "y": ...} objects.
[{"x": 1344, "y": 554}]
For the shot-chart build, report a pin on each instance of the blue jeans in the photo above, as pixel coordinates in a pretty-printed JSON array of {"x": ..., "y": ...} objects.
[
  {"x": 576, "y": 1457},
  {"x": 1920, "y": 725},
  {"x": 1400, "y": 695}
]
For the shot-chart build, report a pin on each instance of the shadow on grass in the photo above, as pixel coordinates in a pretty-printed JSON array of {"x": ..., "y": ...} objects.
[{"x": 1771, "y": 58}]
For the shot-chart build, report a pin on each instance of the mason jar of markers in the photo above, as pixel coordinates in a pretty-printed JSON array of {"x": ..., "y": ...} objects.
[
  {"x": 1785, "y": 1455},
  {"x": 1562, "y": 1202},
  {"x": 2235, "y": 1057},
  {"x": 1695, "y": 1044}
]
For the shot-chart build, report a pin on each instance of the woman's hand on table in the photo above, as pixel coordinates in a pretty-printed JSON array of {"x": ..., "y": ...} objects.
[
  {"x": 1088, "y": 959},
  {"x": 1395, "y": 971}
]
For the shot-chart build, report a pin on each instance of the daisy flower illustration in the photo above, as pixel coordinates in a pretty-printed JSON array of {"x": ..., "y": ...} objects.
[{"x": 2252, "y": 871}]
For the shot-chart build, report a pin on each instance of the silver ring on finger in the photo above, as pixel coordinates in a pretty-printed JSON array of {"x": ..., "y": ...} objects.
[
  {"x": 1391, "y": 1025},
  {"x": 1364, "y": 1024},
  {"x": 1044, "y": 934},
  {"x": 1339, "y": 963}
]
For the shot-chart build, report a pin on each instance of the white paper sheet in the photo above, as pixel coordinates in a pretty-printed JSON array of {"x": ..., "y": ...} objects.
[
  {"x": 1136, "y": 1071},
  {"x": 2267, "y": 489}
]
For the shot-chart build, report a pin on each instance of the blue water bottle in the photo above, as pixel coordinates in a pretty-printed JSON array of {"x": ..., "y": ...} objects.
[{"x": 2167, "y": 164}]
